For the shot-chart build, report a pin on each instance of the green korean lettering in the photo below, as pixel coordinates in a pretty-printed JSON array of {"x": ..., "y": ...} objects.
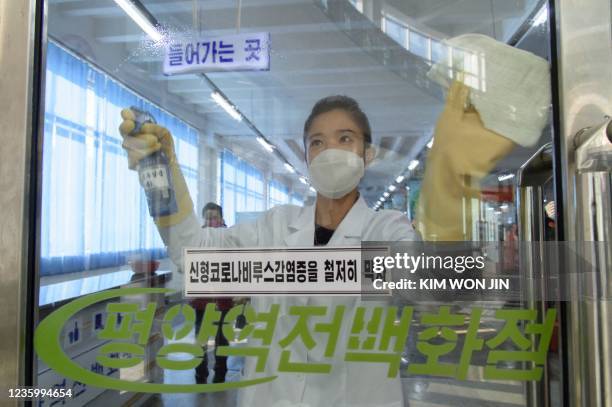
[
  {"x": 470, "y": 344},
  {"x": 188, "y": 324},
  {"x": 48, "y": 347},
  {"x": 300, "y": 330},
  {"x": 193, "y": 349},
  {"x": 532, "y": 350},
  {"x": 209, "y": 325},
  {"x": 261, "y": 327},
  {"x": 126, "y": 320},
  {"x": 368, "y": 349},
  {"x": 441, "y": 322}
]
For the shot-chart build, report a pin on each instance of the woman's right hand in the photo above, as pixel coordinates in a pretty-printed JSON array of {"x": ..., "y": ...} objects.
[{"x": 151, "y": 138}]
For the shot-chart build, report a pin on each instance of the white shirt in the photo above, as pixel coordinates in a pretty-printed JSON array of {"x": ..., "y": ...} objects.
[{"x": 349, "y": 383}]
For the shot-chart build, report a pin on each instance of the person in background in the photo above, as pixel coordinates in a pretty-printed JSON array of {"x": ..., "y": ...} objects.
[
  {"x": 550, "y": 232},
  {"x": 212, "y": 215}
]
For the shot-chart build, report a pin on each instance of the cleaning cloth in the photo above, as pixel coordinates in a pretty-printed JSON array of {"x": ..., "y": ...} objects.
[{"x": 510, "y": 88}]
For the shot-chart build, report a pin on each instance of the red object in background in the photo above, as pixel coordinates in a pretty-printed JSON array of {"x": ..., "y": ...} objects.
[
  {"x": 144, "y": 266},
  {"x": 223, "y": 303},
  {"x": 510, "y": 249},
  {"x": 503, "y": 194},
  {"x": 554, "y": 340}
]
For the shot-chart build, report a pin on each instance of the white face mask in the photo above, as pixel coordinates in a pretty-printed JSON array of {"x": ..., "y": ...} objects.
[{"x": 334, "y": 173}]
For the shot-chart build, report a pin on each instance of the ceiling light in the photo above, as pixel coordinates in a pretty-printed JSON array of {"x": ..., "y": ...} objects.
[
  {"x": 541, "y": 17},
  {"x": 227, "y": 106},
  {"x": 430, "y": 144},
  {"x": 289, "y": 168},
  {"x": 413, "y": 164},
  {"x": 399, "y": 179},
  {"x": 392, "y": 188},
  {"x": 505, "y": 177},
  {"x": 139, "y": 18},
  {"x": 386, "y": 194},
  {"x": 265, "y": 144},
  {"x": 313, "y": 190},
  {"x": 303, "y": 180}
]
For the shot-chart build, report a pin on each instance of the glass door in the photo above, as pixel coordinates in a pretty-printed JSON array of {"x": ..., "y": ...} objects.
[{"x": 173, "y": 125}]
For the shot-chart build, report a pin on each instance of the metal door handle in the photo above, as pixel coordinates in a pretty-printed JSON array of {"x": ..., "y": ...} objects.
[{"x": 594, "y": 148}]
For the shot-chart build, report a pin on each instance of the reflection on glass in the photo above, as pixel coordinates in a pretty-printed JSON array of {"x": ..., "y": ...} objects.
[
  {"x": 439, "y": 51},
  {"x": 93, "y": 211},
  {"x": 419, "y": 44},
  {"x": 395, "y": 30},
  {"x": 242, "y": 188},
  {"x": 238, "y": 135}
]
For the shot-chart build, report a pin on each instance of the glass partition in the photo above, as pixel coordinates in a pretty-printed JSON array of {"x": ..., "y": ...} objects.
[{"x": 221, "y": 148}]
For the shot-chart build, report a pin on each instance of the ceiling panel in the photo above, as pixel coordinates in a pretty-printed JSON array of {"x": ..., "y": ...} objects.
[{"x": 312, "y": 56}]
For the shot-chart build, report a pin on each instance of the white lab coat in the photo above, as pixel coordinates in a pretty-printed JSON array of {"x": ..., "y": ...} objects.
[{"x": 349, "y": 383}]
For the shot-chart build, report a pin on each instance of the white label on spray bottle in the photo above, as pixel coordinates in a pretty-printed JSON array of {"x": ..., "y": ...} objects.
[{"x": 154, "y": 177}]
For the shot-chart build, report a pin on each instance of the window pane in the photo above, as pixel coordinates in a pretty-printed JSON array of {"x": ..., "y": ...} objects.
[
  {"x": 246, "y": 186},
  {"x": 93, "y": 209},
  {"x": 438, "y": 51},
  {"x": 418, "y": 44},
  {"x": 395, "y": 30}
]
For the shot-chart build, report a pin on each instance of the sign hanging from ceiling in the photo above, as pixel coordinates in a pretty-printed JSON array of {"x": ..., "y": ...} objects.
[{"x": 239, "y": 52}]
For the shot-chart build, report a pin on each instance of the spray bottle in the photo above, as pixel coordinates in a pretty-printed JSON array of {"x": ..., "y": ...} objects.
[{"x": 154, "y": 174}]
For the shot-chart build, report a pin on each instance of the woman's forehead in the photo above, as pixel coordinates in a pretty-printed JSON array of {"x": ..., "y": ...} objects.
[{"x": 334, "y": 121}]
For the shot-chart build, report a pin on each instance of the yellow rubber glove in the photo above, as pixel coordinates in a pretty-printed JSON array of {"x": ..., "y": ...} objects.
[
  {"x": 464, "y": 152},
  {"x": 153, "y": 137}
]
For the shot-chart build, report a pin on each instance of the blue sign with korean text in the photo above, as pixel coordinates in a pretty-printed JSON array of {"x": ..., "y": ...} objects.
[{"x": 239, "y": 52}]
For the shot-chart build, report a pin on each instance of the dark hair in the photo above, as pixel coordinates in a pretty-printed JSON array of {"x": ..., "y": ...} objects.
[
  {"x": 213, "y": 206},
  {"x": 349, "y": 105}
]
